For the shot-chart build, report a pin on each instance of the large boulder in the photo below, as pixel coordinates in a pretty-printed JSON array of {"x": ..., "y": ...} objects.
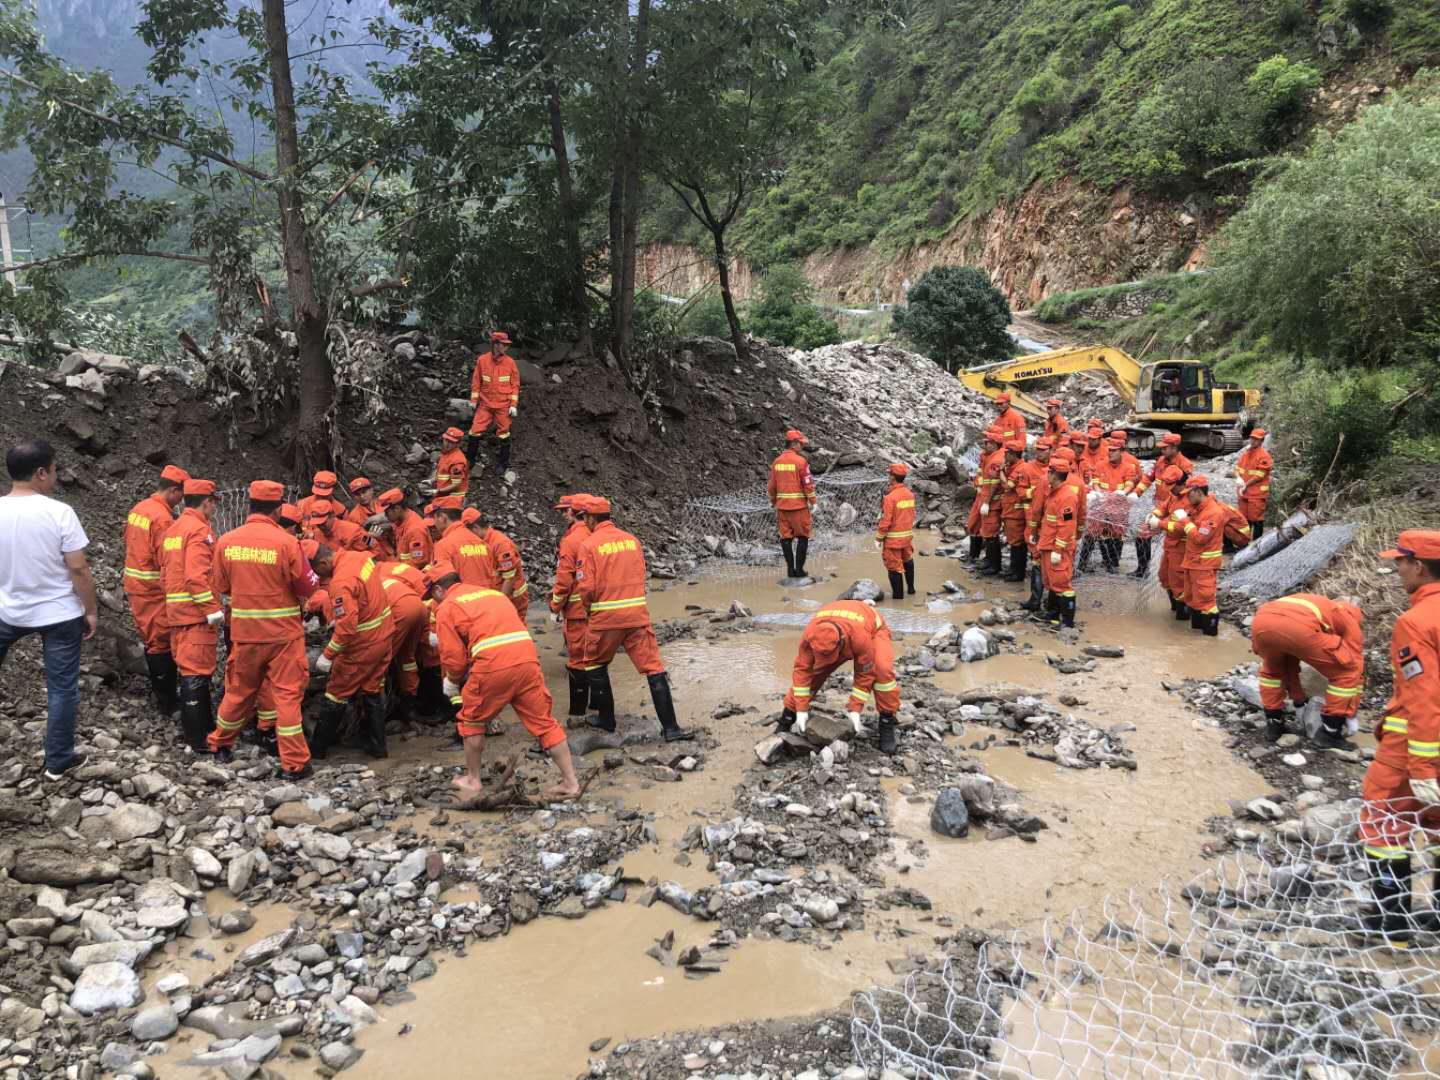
[{"x": 949, "y": 816}]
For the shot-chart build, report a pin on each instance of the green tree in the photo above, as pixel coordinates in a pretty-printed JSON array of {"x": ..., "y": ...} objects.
[
  {"x": 786, "y": 313},
  {"x": 1282, "y": 91},
  {"x": 957, "y": 317}
]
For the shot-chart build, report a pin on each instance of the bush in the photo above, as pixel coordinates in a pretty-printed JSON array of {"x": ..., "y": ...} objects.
[
  {"x": 1320, "y": 422},
  {"x": 1281, "y": 92},
  {"x": 706, "y": 317},
  {"x": 1369, "y": 15},
  {"x": 957, "y": 317},
  {"x": 786, "y": 313},
  {"x": 1201, "y": 118}
]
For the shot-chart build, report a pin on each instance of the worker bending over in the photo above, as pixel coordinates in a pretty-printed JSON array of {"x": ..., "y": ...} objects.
[
  {"x": 841, "y": 631},
  {"x": 1327, "y": 635},
  {"x": 357, "y": 656}
]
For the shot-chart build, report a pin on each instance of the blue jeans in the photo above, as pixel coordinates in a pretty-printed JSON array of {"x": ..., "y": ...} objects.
[{"x": 62, "y": 680}]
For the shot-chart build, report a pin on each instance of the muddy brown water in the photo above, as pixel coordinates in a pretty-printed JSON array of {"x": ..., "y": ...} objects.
[{"x": 529, "y": 1004}]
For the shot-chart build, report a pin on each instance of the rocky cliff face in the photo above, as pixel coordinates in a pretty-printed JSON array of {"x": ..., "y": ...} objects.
[{"x": 682, "y": 270}]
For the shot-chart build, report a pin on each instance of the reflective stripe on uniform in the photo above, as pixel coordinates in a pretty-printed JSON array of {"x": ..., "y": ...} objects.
[
  {"x": 1387, "y": 851},
  {"x": 496, "y": 640},
  {"x": 290, "y": 731},
  {"x": 611, "y": 605},
  {"x": 264, "y": 613},
  {"x": 1272, "y": 683},
  {"x": 142, "y": 575},
  {"x": 1308, "y": 606},
  {"x": 266, "y": 714},
  {"x": 1397, "y": 724},
  {"x": 1424, "y": 749},
  {"x": 863, "y": 695},
  {"x": 800, "y": 691},
  {"x": 372, "y": 624},
  {"x": 1343, "y": 691},
  {"x": 886, "y": 687},
  {"x": 227, "y": 725},
  {"x": 412, "y": 666},
  {"x": 899, "y": 535},
  {"x": 789, "y": 494}
]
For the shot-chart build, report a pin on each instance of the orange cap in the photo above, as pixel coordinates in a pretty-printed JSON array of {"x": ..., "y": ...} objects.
[
  {"x": 1002, "y": 399},
  {"x": 199, "y": 487},
  {"x": 323, "y": 484},
  {"x": 500, "y": 337},
  {"x": 310, "y": 547},
  {"x": 360, "y": 484},
  {"x": 824, "y": 639},
  {"x": 1173, "y": 475},
  {"x": 794, "y": 436},
  {"x": 291, "y": 513},
  {"x": 452, "y": 434},
  {"x": 1170, "y": 438},
  {"x": 1197, "y": 481},
  {"x": 1053, "y": 403},
  {"x": 598, "y": 504},
  {"x": 1045, "y": 443},
  {"x": 563, "y": 503},
  {"x": 267, "y": 491},
  {"x": 899, "y": 468},
  {"x": 174, "y": 474},
  {"x": 393, "y": 497},
  {"x": 1415, "y": 544},
  {"x": 1016, "y": 444},
  {"x": 469, "y": 516},
  {"x": 449, "y": 502},
  {"x": 437, "y": 570},
  {"x": 1258, "y": 433}
]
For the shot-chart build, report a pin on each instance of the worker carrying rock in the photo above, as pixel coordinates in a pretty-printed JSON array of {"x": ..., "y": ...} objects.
[
  {"x": 1253, "y": 470},
  {"x": 495, "y": 393},
  {"x": 895, "y": 534},
  {"x": 357, "y": 656},
  {"x": 840, "y": 632},
  {"x": 193, "y": 612},
  {"x": 1203, "y": 524},
  {"x": 1402, "y": 784},
  {"x": 1327, "y": 635},
  {"x": 792, "y": 494},
  {"x": 261, "y": 568},
  {"x": 567, "y": 605},
  {"x": 145, "y": 528},
  {"x": 452, "y": 471},
  {"x": 1060, "y": 522},
  {"x": 610, "y": 577},
  {"x": 489, "y": 661}
]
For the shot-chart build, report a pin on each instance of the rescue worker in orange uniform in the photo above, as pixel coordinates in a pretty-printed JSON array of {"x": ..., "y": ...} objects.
[
  {"x": 462, "y": 546},
  {"x": 1096, "y": 450},
  {"x": 1108, "y": 518},
  {"x": 408, "y": 534},
  {"x": 895, "y": 533},
  {"x": 495, "y": 393},
  {"x": 290, "y": 519},
  {"x": 357, "y": 656},
  {"x": 452, "y": 472},
  {"x": 1059, "y": 529},
  {"x": 1008, "y": 422},
  {"x": 1327, "y": 635},
  {"x": 145, "y": 528},
  {"x": 362, "y": 491},
  {"x": 191, "y": 609},
  {"x": 324, "y": 527},
  {"x": 988, "y": 446},
  {"x": 1169, "y": 455},
  {"x": 566, "y": 605},
  {"x": 1237, "y": 529},
  {"x": 1252, "y": 474},
  {"x": 792, "y": 494},
  {"x": 1055, "y": 424},
  {"x": 322, "y": 492},
  {"x": 406, "y": 588},
  {"x": 489, "y": 660},
  {"x": 1023, "y": 480},
  {"x": 846, "y": 630},
  {"x": 1034, "y": 515},
  {"x": 261, "y": 568},
  {"x": 1203, "y": 523},
  {"x": 1402, "y": 784},
  {"x": 992, "y": 478},
  {"x": 1169, "y": 497},
  {"x": 508, "y": 568},
  {"x": 610, "y": 576}
]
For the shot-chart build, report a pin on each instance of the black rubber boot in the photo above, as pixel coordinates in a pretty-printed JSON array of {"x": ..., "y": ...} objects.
[
  {"x": 327, "y": 728},
  {"x": 1428, "y": 920},
  {"x": 976, "y": 543},
  {"x": 1212, "y": 624},
  {"x": 1332, "y": 733},
  {"x": 1053, "y": 602},
  {"x": 427, "y": 698},
  {"x": 802, "y": 551},
  {"x": 602, "y": 698},
  {"x": 1037, "y": 590},
  {"x": 886, "y": 737},
  {"x": 1197, "y": 619},
  {"x": 372, "y": 709},
  {"x": 1257, "y": 530},
  {"x": 1182, "y": 611},
  {"x": 992, "y": 558},
  {"x": 472, "y": 449},
  {"x": 163, "y": 682},
  {"x": 268, "y": 741},
  {"x": 1019, "y": 555},
  {"x": 196, "y": 714},
  {"x": 502, "y": 460},
  {"x": 1067, "y": 611},
  {"x": 787, "y": 548},
  {"x": 1087, "y": 546},
  {"x": 664, "y": 706},
  {"x": 579, "y": 691},
  {"x": 404, "y": 710},
  {"x": 1274, "y": 724},
  {"x": 1142, "y": 556},
  {"x": 787, "y": 720},
  {"x": 1391, "y": 924},
  {"x": 897, "y": 584},
  {"x": 910, "y": 577}
]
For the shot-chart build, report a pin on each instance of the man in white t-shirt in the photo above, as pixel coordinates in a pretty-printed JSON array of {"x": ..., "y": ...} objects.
[{"x": 46, "y": 589}]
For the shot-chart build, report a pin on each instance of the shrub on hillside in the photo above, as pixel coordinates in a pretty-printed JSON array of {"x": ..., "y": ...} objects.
[
  {"x": 1328, "y": 428},
  {"x": 706, "y": 317},
  {"x": 1281, "y": 91},
  {"x": 786, "y": 313},
  {"x": 957, "y": 317}
]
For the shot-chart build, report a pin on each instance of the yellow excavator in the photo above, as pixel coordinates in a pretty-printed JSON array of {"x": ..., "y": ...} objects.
[{"x": 1168, "y": 395}]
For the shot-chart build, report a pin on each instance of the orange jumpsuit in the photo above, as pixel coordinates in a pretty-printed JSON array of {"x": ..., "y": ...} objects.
[
  {"x": 1320, "y": 632},
  {"x": 1009, "y": 424},
  {"x": 362, "y": 631},
  {"x": 1035, "y": 510},
  {"x": 1408, "y": 742},
  {"x": 412, "y": 540},
  {"x": 1055, "y": 427},
  {"x": 505, "y": 558},
  {"x": 359, "y": 514},
  {"x": 479, "y": 630},
  {"x": 452, "y": 473},
  {"x": 992, "y": 474},
  {"x": 792, "y": 493},
  {"x": 1254, "y": 467},
  {"x": 145, "y": 528},
  {"x": 494, "y": 390},
  {"x": 470, "y": 556},
  {"x": 1172, "y": 558},
  {"x": 896, "y": 530},
  {"x": 865, "y": 639},
  {"x": 405, "y": 590},
  {"x": 1026, "y": 477},
  {"x": 1204, "y": 536},
  {"x": 340, "y": 535},
  {"x": 262, "y": 569},
  {"x": 189, "y": 551},
  {"x": 1159, "y": 465},
  {"x": 1059, "y": 526},
  {"x": 314, "y": 506},
  {"x": 1012, "y": 518},
  {"x": 1237, "y": 526},
  {"x": 566, "y": 599},
  {"x": 611, "y": 579}
]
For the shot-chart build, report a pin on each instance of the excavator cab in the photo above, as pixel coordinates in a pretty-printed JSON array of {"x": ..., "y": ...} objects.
[{"x": 1175, "y": 387}]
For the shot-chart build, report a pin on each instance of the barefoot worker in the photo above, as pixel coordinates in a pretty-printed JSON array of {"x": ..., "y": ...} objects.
[{"x": 489, "y": 659}]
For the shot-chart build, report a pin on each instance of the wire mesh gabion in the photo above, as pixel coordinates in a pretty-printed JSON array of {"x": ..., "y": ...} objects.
[
  {"x": 740, "y": 525},
  {"x": 1292, "y": 566},
  {"x": 1260, "y": 967},
  {"x": 234, "y": 508}
]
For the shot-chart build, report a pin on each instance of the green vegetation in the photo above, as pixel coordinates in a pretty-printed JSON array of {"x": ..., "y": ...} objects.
[
  {"x": 974, "y": 100},
  {"x": 786, "y": 313},
  {"x": 957, "y": 318}
]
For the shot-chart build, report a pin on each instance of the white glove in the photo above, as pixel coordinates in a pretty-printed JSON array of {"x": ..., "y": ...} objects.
[
  {"x": 1131, "y": 495},
  {"x": 514, "y": 411},
  {"x": 451, "y": 689},
  {"x": 1090, "y": 498},
  {"x": 323, "y": 663},
  {"x": 1426, "y": 791},
  {"x": 984, "y": 509},
  {"x": 879, "y": 545},
  {"x": 434, "y": 640},
  {"x": 556, "y": 618},
  {"x": 801, "y": 719},
  {"x": 1054, "y": 558},
  {"x": 215, "y": 618},
  {"x": 855, "y": 724},
  {"x": 1152, "y": 523},
  {"x": 1179, "y": 514}
]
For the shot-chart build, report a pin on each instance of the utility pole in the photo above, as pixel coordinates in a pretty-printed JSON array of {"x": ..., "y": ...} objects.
[{"x": 5, "y": 251}]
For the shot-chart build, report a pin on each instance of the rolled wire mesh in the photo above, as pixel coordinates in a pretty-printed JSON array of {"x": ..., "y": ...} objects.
[
  {"x": 1261, "y": 966},
  {"x": 1292, "y": 566}
]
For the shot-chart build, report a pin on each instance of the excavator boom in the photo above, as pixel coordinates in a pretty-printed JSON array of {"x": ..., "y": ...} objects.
[{"x": 1118, "y": 367}]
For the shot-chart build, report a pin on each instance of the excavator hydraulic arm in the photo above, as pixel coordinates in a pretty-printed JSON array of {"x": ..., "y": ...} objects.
[{"x": 1118, "y": 367}]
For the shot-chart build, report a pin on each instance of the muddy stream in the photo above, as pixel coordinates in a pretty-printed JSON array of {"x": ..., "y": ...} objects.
[{"x": 530, "y": 1003}]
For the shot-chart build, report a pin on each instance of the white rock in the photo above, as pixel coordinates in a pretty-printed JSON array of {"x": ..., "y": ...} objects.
[
  {"x": 203, "y": 863},
  {"x": 104, "y": 987}
]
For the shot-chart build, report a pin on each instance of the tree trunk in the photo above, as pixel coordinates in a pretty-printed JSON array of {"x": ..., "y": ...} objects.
[
  {"x": 313, "y": 444},
  {"x": 722, "y": 267},
  {"x": 635, "y": 87},
  {"x": 570, "y": 221},
  {"x": 619, "y": 43}
]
